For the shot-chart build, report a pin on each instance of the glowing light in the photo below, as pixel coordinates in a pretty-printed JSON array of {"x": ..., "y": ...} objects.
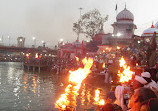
[
  {"x": 61, "y": 40},
  {"x": 103, "y": 65},
  {"x": 36, "y": 56},
  {"x": 77, "y": 59},
  {"x": 27, "y": 55},
  {"x": 126, "y": 74},
  {"x": 119, "y": 34},
  {"x": 20, "y": 40},
  {"x": 33, "y": 38},
  {"x": 75, "y": 79},
  {"x": 118, "y": 47},
  {"x": 98, "y": 99}
]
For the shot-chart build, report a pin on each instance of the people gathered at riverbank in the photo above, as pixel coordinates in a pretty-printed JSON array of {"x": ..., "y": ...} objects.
[{"x": 138, "y": 94}]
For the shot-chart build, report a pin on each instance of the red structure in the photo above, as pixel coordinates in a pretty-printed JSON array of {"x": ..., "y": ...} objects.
[{"x": 70, "y": 50}]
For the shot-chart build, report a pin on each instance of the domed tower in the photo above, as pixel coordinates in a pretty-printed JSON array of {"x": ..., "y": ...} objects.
[
  {"x": 124, "y": 26},
  {"x": 148, "y": 33}
]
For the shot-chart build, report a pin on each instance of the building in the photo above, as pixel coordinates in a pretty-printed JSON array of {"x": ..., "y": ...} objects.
[
  {"x": 123, "y": 31},
  {"x": 148, "y": 33},
  {"x": 70, "y": 50},
  {"x": 20, "y": 42},
  {"x": 124, "y": 26}
]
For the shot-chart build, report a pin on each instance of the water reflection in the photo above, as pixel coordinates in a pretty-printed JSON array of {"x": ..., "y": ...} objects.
[
  {"x": 22, "y": 90},
  {"x": 83, "y": 93},
  {"x": 25, "y": 80}
]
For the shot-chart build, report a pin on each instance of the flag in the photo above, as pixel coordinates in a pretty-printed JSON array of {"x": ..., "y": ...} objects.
[{"x": 116, "y": 8}]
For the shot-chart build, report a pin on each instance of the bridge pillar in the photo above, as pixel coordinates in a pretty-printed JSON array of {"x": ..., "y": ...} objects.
[
  {"x": 33, "y": 68},
  {"x": 39, "y": 69},
  {"x": 28, "y": 68}
]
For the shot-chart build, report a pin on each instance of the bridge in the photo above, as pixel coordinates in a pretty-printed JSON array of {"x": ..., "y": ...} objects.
[{"x": 12, "y": 49}]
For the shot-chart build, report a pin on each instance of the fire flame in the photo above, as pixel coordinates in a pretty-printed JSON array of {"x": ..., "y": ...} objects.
[
  {"x": 27, "y": 55},
  {"x": 118, "y": 47},
  {"x": 98, "y": 100},
  {"x": 126, "y": 74},
  {"x": 77, "y": 59},
  {"x": 84, "y": 61},
  {"x": 103, "y": 65},
  {"x": 68, "y": 99},
  {"x": 36, "y": 56}
]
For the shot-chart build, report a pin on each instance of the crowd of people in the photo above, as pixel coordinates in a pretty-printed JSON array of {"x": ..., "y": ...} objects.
[{"x": 140, "y": 93}]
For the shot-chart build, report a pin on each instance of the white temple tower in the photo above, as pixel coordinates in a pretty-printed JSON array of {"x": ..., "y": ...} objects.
[{"x": 124, "y": 26}]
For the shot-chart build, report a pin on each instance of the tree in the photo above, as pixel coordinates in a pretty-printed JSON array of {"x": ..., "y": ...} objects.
[{"x": 90, "y": 23}]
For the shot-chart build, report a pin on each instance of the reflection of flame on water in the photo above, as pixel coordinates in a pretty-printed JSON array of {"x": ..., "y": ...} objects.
[
  {"x": 34, "y": 84},
  {"x": 68, "y": 99},
  {"x": 83, "y": 93},
  {"x": 98, "y": 99},
  {"x": 89, "y": 96},
  {"x": 25, "y": 80},
  {"x": 126, "y": 74}
]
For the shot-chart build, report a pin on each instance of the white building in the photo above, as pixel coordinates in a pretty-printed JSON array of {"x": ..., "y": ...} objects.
[
  {"x": 123, "y": 29},
  {"x": 124, "y": 26},
  {"x": 148, "y": 33}
]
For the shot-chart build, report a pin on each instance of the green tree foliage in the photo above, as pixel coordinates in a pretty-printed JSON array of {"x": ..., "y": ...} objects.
[{"x": 90, "y": 23}]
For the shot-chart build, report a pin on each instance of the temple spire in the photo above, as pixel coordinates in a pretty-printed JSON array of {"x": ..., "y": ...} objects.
[{"x": 125, "y": 5}]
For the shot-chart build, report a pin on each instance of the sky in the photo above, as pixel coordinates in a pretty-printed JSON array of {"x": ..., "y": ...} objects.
[{"x": 50, "y": 20}]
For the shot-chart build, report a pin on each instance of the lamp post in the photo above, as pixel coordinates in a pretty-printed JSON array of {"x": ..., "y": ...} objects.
[
  {"x": 61, "y": 40},
  {"x": 34, "y": 40},
  {"x": 9, "y": 40},
  {"x": 43, "y": 42},
  {"x": 20, "y": 42}
]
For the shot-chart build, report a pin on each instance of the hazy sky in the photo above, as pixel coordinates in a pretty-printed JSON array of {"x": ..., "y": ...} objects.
[{"x": 50, "y": 20}]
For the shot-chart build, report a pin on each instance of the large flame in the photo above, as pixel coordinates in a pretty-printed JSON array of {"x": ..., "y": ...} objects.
[
  {"x": 68, "y": 99},
  {"x": 98, "y": 99},
  {"x": 126, "y": 74}
]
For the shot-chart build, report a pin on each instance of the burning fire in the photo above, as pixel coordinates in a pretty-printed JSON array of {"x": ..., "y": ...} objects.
[
  {"x": 103, "y": 65},
  {"x": 98, "y": 100},
  {"x": 36, "y": 56},
  {"x": 118, "y": 47},
  {"x": 68, "y": 99},
  {"x": 77, "y": 59},
  {"x": 27, "y": 55},
  {"x": 126, "y": 74}
]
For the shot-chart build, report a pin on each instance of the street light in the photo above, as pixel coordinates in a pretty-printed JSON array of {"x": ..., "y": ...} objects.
[
  {"x": 34, "y": 39},
  {"x": 20, "y": 40},
  {"x": 119, "y": 34},
  {"x": 9, "y": 40},
  {"x": 43, "y": 42},
  {"x": 61, "y": 40}
]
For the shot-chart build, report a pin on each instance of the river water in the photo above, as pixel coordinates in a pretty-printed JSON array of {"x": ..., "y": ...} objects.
[{"x": 27, "y": 91}]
